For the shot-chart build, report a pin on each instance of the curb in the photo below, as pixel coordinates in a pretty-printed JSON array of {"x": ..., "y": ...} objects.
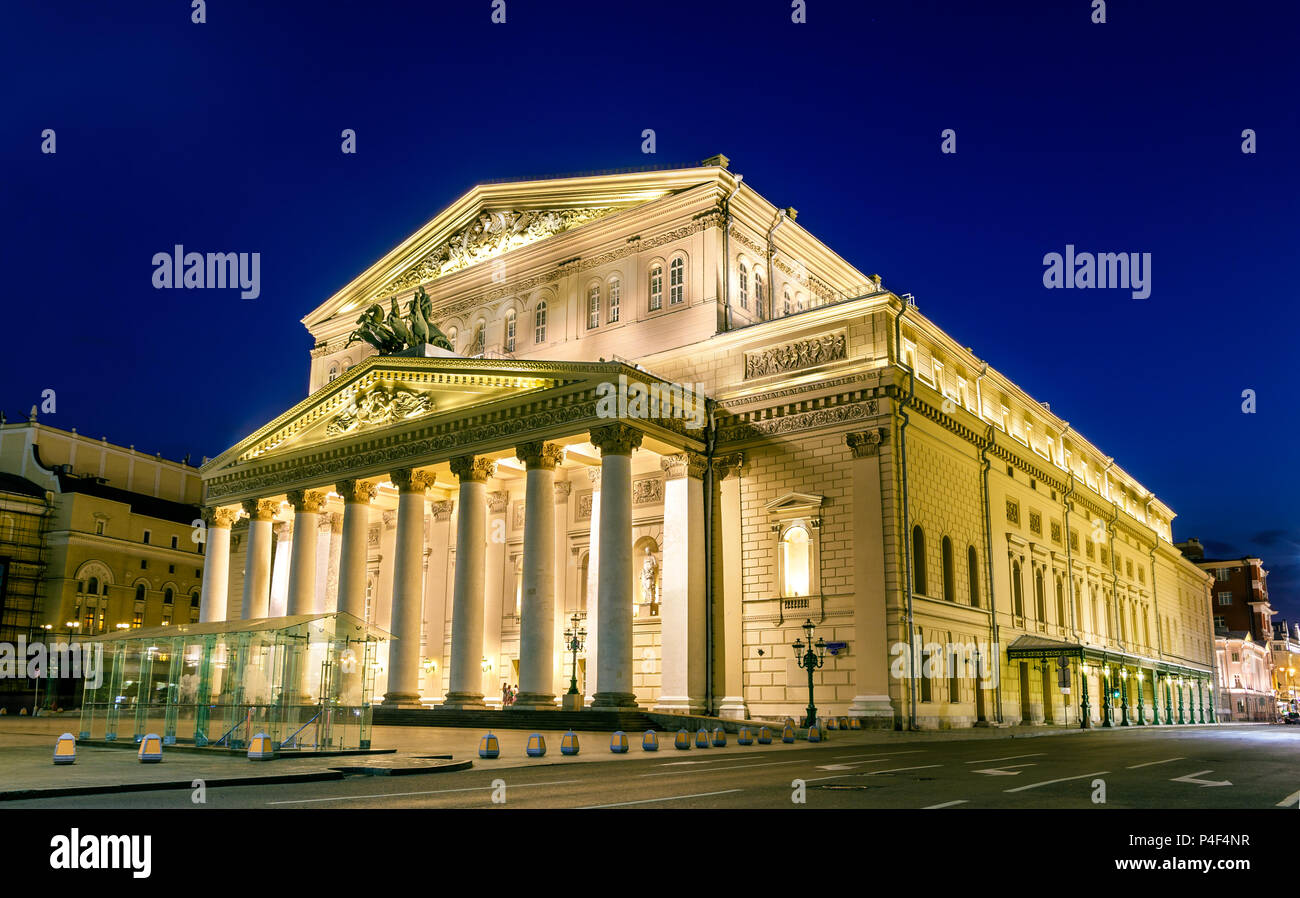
[{"x": 61, "y": 791}]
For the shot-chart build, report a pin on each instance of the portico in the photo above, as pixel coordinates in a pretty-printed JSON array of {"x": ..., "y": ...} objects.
[{"x": 483, "y": 442}]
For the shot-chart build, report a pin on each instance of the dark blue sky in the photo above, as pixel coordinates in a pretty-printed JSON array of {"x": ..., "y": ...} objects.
[{"x": 1117, "y": 137}]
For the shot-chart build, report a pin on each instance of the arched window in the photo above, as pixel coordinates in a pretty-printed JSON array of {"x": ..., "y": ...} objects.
[
  {"x": 918, "y": 561},
  {"x": 334, "y": 370},
  {"x": 744, "y": 286},
  {"x": 1040, "y": 598},
  {"x": 973, "y": 576},
  {"x": 169, "y": 597},
  {"x": 194, "y": 599},
  {"x": 452, "y": 334},
  {"x": 1017, "y": 591},
  {"x": 677, "y": 281},
  {"x": 139, "y": 592},
  {"x": 539, "y": 323},
  {"x": 795, "y": 547},
  {"x": 758, "y": 294},
  {"x": 593, "y": 307},
  {"x": 615, "y": 298},
  {"x": 93, "y": 588},
  {"x": 510, "y": 330},
  {"x": 949, "y": 586},
  {"x": 656, "y": 288},
  {"x": 1060, "y": 603},
  {"x": 786, "y": 305}
]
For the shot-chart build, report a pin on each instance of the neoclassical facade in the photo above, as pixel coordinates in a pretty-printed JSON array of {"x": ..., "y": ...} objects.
[{"x": 676, "y": 421}]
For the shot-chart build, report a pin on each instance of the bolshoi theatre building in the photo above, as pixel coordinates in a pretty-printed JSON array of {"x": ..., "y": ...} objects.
[{"x": 672, "y": 419}]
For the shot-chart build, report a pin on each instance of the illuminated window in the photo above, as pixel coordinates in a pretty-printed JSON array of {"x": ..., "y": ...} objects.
[
  {"x": 656, "y": 288},
  {"x": 676, "y": 281},
  {"x": 758, "y": 294},
  {"x": 744, "y": 286},
  {"x": 510, "y": 330},
  {"x": 593, "y": 307},
  {"x": 334, "y": 371},
  {"x": 615, "y": 297},
  {"x": 796, "y": 556},
  {"x": 539, "y": 322}
]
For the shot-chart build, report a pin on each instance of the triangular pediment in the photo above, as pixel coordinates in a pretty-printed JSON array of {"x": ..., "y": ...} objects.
[
  {"x": 491, "y": 220},
  {"x": 385, "y": 394},
  {"x": 794, "y": 503}
]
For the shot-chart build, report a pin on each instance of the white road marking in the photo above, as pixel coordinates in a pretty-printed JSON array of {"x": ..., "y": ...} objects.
[
  {"x": 851, "y": 766},
  {"x": 1036, "y": 754},
  {"x": 1004, "y": 771},
  {"x": 595, "y": 807},
  {"x": 1064, "y": 779},
  {"x": 716, "y": 769},
  {"x": 1192, "y": 778},
  {"x": 1291, "y": 799},
  {"x": 685, "y": 763},
  {"x": 946, "y": 804},
  {"x": 872, "y": 773},
  {"x": 1153, "y": 763},
  {"x": 889, "y": 755},
  {"x": 405, "y": 794}
]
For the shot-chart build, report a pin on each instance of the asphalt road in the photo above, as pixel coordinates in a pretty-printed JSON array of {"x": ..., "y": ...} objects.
[{"x": 1227, "y": 767}]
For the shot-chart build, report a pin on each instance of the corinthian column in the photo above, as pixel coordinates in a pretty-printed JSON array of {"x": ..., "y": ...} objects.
[
  {"x": 537, "y": 627},
  {"x": 307, "y": 505},
  {"x": 257, "y": 562},
  {"x": 214, "y": 597},
  {"x": 357, "y": 496},
  {"x": 614, "y": 587},
  {"x": 592, "y": 586},
  {"x": 464, "y": 689},
  {"x": 408, "y": 591},
  {"x": 871, "y": 669}
]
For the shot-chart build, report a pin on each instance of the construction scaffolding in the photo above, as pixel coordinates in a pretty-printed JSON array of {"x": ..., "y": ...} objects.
[{"x": 25, "y": 513}]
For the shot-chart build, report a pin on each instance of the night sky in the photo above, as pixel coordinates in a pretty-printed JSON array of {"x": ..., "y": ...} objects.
[{"x": 1119, "y": 137}]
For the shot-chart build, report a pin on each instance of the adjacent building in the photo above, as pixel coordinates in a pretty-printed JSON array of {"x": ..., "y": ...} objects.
[
  {"x": 94, "y": 538},
  {"x": 1243, "y": 632},
  {"x": 673, "y": 416},
  {"x": 1285, "y": 656}
]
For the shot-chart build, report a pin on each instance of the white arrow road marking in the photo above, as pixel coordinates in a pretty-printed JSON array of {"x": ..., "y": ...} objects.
[
  {"x": 1037, "y": 754},
  {"x": 620, "y": 804},
  {"x": 1153, "y": 763},
  {"x": 946, "y": 804},
  {"x": 1293, "y": 798},
  {"x": 851, "y": 766},
  {"x": 1192, "y": 778},
  {"x": 1004, "y": 771},
  {"x": 1064, "y": 779}
]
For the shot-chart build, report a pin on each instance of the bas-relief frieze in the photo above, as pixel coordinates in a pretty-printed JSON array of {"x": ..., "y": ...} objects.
[
  {"x": 647, "y": 490},
  {"x": 379, "y": 406},
  {"x": 796, "y": 354}
]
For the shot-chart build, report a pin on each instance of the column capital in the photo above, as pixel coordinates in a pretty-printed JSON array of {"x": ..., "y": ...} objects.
[
  {"x": 497, "y": 501},
  {"x": 593, "y": 474},
  {"x": 441, "y": 509},
  {"x": 866, "y": 443},
  {"x": 562, "y": 490},
  {"x": 616, "y": 439},
  {"x": 476, "y": 470},
  {"x": 283, "y": 529},
  {"x": 332, "y": 521},
  {"x": 353, "y": 490},
  {"x": 409, "y": 480},
  {"x": 683, "y": 464},
  {"x": 729, "y": 465},
  {"x": 220, "y": 517},
  {"x": 261, "y": 509},
  {"x": 537, "y": 454},
  {"x": 309, "y": 501}
]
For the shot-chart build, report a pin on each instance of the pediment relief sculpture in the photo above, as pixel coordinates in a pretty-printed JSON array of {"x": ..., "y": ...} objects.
[
  {"x": 795, "y": 355},
  {"x": 379, "y": 406}
]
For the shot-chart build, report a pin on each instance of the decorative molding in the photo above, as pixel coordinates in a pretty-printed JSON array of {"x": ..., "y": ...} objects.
[
  {"x": 538, "y": 454},
  {"x": 771, "y": 395},
  {"x": 823, "y": 417},
  {"x": 379, "y": 406},
  {"x": 796, "y": 355},
  {"x": 219, "y": 517},
  {"x": 729, "y": 465},
  {"x": 683, "y": 464},
  {"x": 497, "y": 501},
  {"x": 283, "y": 531},
  {"x": 372, "y": 535},
  {"x": 647, "y": 490},
  {"x": 471, "y": 469},
  {"x": 518, "y": 523},
  {"x": 615, "y": 439},
  {"x": 307, "y": 501},
  {"x": 409, "y": 480},
  {"x": 562, "y": 490},
  {"x": 866, "y": 444},
  {"x": 584, "y": 506}
]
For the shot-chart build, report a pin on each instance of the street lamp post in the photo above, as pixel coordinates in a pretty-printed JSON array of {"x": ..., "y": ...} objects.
[
  {"x": 1180, "y": 700},
  {"x": 1106, "y": 697},
  {"x": 574, "y": 637},
  {"x": 1169, "y": 705},
  {"x": 1085, "y": 710},
  {"x": 810, "y": 661},
  {"x": 1141, "y": 713},
  {"x": 1123, "y": 675}
]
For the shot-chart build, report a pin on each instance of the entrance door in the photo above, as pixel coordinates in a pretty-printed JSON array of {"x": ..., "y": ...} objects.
[
  {"x": 1026, "y": 709},
  {"x": 1047, "y": 692}
]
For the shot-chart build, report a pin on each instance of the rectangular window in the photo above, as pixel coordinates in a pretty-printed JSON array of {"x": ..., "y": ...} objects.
[
  {"x": 656, "y": 289},
  {"x": 938, "y": 376},
  {"x": 615, "y": 296},
  {"x": 1225, "y": 598},
  {"x": 99, "y": 528},
  {"x": 146, "y": 538},
  {"x": 175, "y": 542},
  {"x": 676, "y": 282},
  {"x": 539, "y": 333},
  {"x": 1006, "y": 420},
  {"x": 1221, "y": 574},
  {"x": 510, "y": 333},
  {"x": 925, "y": 679},
  {"x": 593, "y": 308},
  {"x": 909, "y": 354},
  {"x": 137, "y": 620}
]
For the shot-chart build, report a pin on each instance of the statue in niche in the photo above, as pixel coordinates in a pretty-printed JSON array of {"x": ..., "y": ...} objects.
[{"x": 649, "y": 580}]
